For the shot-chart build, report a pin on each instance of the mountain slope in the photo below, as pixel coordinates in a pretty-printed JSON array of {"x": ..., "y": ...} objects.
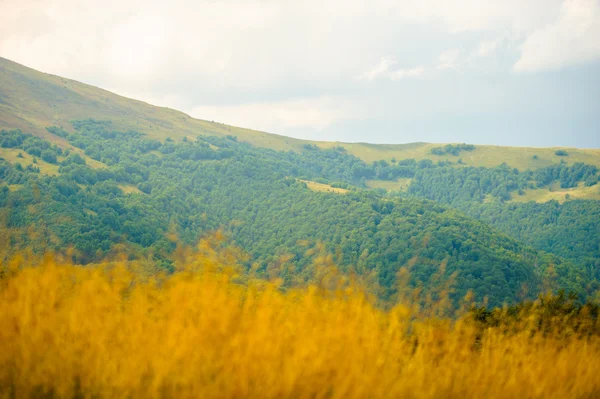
[
  {"x": 32, "y": 100},
  {"x": 151, "y": 191},
  {"x": 122, "y": 175}
]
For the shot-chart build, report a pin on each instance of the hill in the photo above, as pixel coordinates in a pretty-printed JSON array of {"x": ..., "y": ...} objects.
[
  {"x": 32, "y": 100},
  {"x": 264, "y": 201},
  {"x": 98, "y": 174}
]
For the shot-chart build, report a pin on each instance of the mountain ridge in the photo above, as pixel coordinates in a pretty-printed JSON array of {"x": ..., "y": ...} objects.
[{"x": 32, "y": 100}]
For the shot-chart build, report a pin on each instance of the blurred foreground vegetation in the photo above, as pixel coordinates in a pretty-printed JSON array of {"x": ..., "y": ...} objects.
[{"x": 210, "y": 330}]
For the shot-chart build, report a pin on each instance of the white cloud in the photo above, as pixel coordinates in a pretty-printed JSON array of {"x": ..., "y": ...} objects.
[
  {"x": 381, "y": 69},
  {"x": 314, "y": 114},
  {"x": 386, "y": 69},
  {"x": 244, "y": 44},
  {"x": 487, "y": 48},
  {"x": 136, "y": 48},
  {"x": 474, "y": 15},
  {"x": 407, "y": 73},
  {"x": 263, "y": 55},
  {"x": 574, "y": 38},
  {"x": 448, "y": 59}
]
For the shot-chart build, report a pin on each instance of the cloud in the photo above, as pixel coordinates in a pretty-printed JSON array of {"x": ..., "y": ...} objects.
[
  {"x": 245, "y": 45},
  {"x": 386, "y": 69},
  {"x": 407, "y": 73},
  {"x": 284, "y": 65},
  {"x": 574, "y": 38},
  {"x": 487, "y": 48},
  {"x": 313, "y": 114},
  {"x": 473, "y": 15},
  {"x": 136, "y": 48},
  {"x": 448, "y": 59},
  {"x": 381, "y": 69}
]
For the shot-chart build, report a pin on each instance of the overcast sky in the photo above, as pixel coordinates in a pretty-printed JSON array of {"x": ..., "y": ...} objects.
[{"x": 509, "y": 72}]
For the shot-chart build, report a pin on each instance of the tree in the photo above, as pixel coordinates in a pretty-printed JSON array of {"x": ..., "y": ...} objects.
[{"x": 49, "y": 156}]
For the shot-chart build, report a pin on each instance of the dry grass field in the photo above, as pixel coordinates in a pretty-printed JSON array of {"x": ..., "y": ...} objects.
[
  {"x": 556, "y": 193},
  {"x": 12, "y": 156},
  {"x": 115, "y": 330},
  {"x": 323, "y": 188}
]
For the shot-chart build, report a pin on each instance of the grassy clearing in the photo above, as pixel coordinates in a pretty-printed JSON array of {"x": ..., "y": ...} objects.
[
  {"x": 92, "y": 163},
  {"x": 323, "y": 188},
  {"x": 12, "y": 156},
  {"x": 15, "y": 187},
  {"x": 397, "y": 185},
  {"x": 130, "y": 189},
  {"x": 558, "y": 194},
  {"x": 523, "y": 157},
  {"x": 484, "y": 155}
]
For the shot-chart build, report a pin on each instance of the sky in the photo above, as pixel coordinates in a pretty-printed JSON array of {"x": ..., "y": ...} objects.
[{"x": 510, "y": 72}]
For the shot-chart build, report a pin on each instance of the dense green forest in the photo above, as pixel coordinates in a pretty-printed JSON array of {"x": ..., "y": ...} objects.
[
  {"x": 150, "y": 190},
  {"x": 570, "y": 230}
]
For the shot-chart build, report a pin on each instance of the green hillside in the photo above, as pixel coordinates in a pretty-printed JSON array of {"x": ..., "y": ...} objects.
[
  {"x": 98, "y": 174},
  {"x": 265, "y": 201},
  {"x": 32, "y": 100}
]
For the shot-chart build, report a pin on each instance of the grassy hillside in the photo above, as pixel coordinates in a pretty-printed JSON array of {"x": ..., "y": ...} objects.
[
  {"x": 19, "y": 156},
  {"x": 483, "y": 155},
  {"x": 32, "y": 100},
  {"x": 556, "y": 193},
  {"x": 323, "y": 188}
]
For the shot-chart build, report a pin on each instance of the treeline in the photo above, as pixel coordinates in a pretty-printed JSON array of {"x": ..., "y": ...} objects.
[
  {"x": 32, "y": 145},
  {"x": 452, "y": 149}
]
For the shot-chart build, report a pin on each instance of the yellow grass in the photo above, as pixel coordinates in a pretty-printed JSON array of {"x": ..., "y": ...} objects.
[
  {"x": 129, "y": 189},
  {"x": 323, "y": 188},
  {"x": 92, "y": 163},
  {"x": 558, "y": 194},
  {"x": 397, "y": 185},
  {"x": 11, "y": 155},
  {"x": 15, "y": 187},
  {"x": 483, "y": 155},
  {"x": 205, "y": 332}
]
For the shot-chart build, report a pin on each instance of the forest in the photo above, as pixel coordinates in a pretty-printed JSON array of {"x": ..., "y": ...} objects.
[{"x": 144, "y": 196}]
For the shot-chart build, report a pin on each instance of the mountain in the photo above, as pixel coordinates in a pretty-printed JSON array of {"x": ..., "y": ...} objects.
[
  {"x": 31, "y": 100},
  {"x": 88, "y": 170}
]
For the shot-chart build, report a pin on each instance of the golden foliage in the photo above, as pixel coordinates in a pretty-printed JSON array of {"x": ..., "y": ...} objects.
[{"x": 114, "y": 330}]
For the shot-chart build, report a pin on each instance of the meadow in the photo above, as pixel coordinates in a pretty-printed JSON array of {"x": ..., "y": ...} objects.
[{"x": 119, "y": 329}]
